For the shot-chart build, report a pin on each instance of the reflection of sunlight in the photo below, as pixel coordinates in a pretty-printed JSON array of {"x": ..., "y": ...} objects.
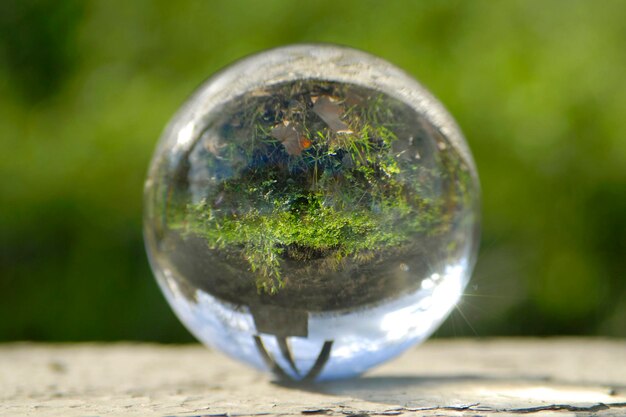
[
  {"x": 420, "y": 317},
  {"x": 185, "y": 135},
  {"x": 447, "y": 292}
]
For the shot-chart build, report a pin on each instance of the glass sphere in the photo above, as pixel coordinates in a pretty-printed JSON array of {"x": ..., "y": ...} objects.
[{"x": 313, "y": 211}]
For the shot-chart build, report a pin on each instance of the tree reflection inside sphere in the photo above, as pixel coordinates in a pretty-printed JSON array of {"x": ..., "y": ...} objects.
[{"x": 313, "y": 211}]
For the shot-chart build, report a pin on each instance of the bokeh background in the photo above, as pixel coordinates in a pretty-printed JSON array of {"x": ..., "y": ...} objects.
[{"x": 87, "y": 86}]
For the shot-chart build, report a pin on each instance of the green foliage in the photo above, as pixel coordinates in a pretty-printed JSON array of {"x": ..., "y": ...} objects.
[
  {"x": 340, "y": 197},
  {"x": 537, "y": 87},
  {"x": 264, "y": 238}
]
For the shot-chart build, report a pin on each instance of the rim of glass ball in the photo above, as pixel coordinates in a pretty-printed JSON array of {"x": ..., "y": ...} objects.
[{"x": 325, "y": 62}]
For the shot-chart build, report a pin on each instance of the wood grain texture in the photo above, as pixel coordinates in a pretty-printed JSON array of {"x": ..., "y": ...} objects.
[{"x": 561, "y": 377}]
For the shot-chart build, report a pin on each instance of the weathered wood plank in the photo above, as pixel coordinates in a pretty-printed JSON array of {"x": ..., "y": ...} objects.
[{"x": 442, "y": 377}]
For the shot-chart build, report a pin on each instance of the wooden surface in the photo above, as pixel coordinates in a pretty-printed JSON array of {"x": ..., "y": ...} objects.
[{"x": 558, "y": 377}]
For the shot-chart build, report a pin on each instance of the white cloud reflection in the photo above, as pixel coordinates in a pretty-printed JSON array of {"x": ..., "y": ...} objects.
[{"x": 361, "y": 338}]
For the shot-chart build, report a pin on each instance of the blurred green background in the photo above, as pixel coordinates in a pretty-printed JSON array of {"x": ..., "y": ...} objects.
[{"x": 87, "y": 86}]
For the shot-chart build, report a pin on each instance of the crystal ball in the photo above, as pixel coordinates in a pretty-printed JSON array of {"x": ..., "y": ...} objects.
[{"x": 312, "y": 211}]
